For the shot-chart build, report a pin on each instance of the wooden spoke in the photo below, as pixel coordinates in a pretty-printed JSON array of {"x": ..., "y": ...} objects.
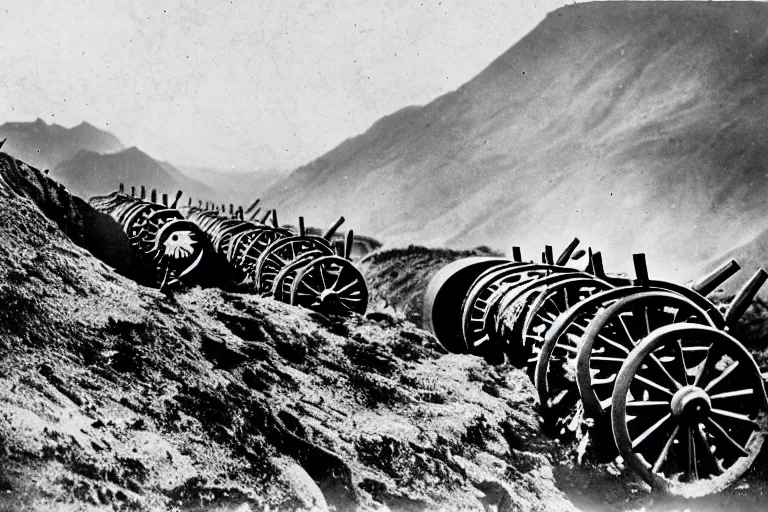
[
  {"x": 650, "y": 430},
  {"x": 719, "y": 432},
  {"x": 665, "y": 450}
]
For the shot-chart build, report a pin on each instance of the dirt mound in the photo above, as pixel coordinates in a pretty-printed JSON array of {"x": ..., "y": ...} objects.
[
  {"x": 86, "y": 227},
  {"x": 397, "y": 278},
  {"x": 117, "y": 396}
]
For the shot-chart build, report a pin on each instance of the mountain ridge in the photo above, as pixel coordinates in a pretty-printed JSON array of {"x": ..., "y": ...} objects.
[
  {"x": 635, "y": 126},
  {"x": 47, "y": 145}
]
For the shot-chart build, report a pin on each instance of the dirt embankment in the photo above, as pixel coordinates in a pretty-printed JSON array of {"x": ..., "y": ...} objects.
[{"x": 115, "y": 396}]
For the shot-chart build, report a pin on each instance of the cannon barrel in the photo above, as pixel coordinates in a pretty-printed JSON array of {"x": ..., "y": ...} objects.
[
  {"x": 516, "y": 254},
  {"x": 709, "y": 283},
  {"x": 264, "y": 218},
  {"x": 549, "y": 257},
  {"x": 255, "y": 213},
  {"x": 331, "y": 230},
  {"x": 231, "y": 210},
  {"x": 302, "y": 229},
  {"x": 596, "y": 264},
  {"x": 349, "y": 239},
  {"x": 253, "y": 206},
  {"x": 153, "y": 196},
  {"x": 240, "y": 214},
  {"x": 274, "y": 219},
  {"x": 641, "y": 269},
  {"x": 143, "y": 192},
  {"x": 133, "y": 191},
  {"x": 165, "y": 200},
  {"x": 566, "y": 254},
  {"x": 176, "y": 200},
  {"x": 121, "y": 188},
  {"x": 744, "y": 297}
]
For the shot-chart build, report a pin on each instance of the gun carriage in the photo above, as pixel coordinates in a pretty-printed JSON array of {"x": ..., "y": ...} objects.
[{"x": 650, "y": 363}]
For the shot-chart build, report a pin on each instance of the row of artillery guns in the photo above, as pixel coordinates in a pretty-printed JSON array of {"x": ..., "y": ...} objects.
[
  {"x": 204, "y": 245},
  {"x": 650, "y": 364}
]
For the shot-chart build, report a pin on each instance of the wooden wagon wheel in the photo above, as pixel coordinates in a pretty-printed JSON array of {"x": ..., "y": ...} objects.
[
  {"x": 252, "y": 245},
  {"x": 551, "y": 302},
  {"x": 483, "y": 294},
  {"x": 331, "y": 285},
  {"x": 689, "y": 410},
  {"x": 476, "y": 305},
  {"x": 555, "y": 373},
  {"x": 508, "y": 309},
  {"x": 281, "y": 252},
  {"x": 615, "y": 331},
  {"x": 281, "y": 286},
  {"x": 227, "y": 234}
]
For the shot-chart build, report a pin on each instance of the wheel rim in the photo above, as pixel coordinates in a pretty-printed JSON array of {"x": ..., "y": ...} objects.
[
  {"x": 706, "y": 429},
  {"x": 278, "y": 254},
  {"x": 554, "y": 300},
  {"x": 281, "y": 286},
  {"x": 475, "y": 308},
  {"x": 332, "y": 285},
  {"x": 615, "y": 331}
]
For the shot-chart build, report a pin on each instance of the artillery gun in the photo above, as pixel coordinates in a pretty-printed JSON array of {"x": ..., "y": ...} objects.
[
  {"x": 638, "y": 358},
  {"x": 174, "y": 250}
]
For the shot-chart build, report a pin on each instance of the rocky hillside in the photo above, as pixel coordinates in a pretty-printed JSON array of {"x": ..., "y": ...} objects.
[
  {"x": 115, "y": 396},
  {"x": 637, "y": 126},
  {"x": 47, "y": 145}
]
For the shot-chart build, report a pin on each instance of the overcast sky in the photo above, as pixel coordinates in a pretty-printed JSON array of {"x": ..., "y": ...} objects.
[{"x": 248, "y": 82}]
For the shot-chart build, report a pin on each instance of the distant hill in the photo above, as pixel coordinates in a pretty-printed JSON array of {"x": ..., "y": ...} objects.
[
  {"x": 637, "y": 126},
  {"x": 241, "y": 186},
  {"x": 89, "y": 173},
  {"x": 47, "y": 145}
]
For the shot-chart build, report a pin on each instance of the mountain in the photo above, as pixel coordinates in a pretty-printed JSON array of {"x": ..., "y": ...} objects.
[
  {"x": 89, "y": 173},
  {"x": 637, "y": 126},
  {"x": 47, "y": 145},
  {"x": 240, "y": 185}
]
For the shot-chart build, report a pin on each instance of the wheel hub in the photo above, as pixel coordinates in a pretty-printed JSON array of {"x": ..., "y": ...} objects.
[
  {"x": 691, "y": 402},
  {"x": 329, "y": 297}
]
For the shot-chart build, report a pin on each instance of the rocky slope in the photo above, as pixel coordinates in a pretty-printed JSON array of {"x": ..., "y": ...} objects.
[
  {"x": 115, "y": 396},
  {"x": 47, "y": 145},
  {"x": 637, "y": 126}
]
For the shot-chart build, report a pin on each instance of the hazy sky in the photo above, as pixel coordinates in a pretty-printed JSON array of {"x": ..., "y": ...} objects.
[{"x": 247, "y": 82}]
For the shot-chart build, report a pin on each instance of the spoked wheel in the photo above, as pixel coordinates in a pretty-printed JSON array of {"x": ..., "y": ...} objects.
[
  {"x": 506, "y": 327},
  {"x": 615, "y": 331},
  {"x": 689, "y": 410},
  {"x": 253, "y": 244},
  {"x": 552, "y": 301},
  {"x": 281, "y": 286},
  {"x": 475, "y": 308},
  {"x": 331, "y": 285},
  {"x": 555, "y": 374},
  {"x": 280, "y": 253}
]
